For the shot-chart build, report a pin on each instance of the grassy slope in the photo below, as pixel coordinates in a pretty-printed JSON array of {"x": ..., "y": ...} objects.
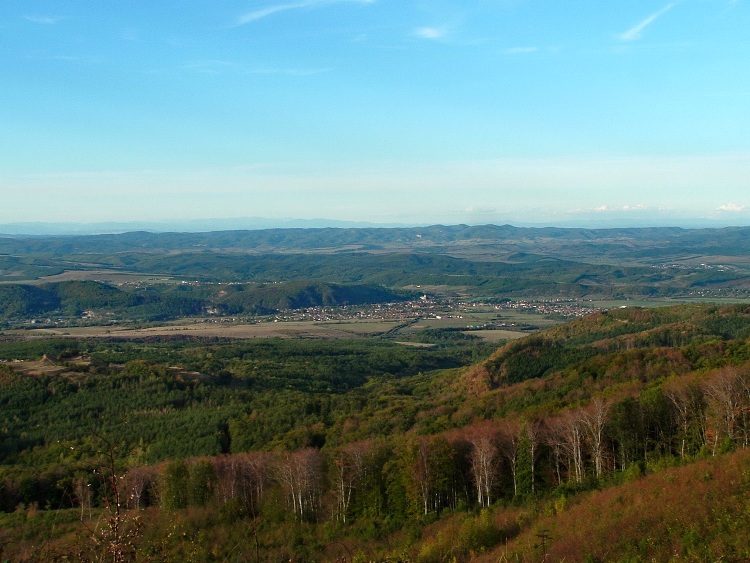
[{"x": 698, "y": 512}]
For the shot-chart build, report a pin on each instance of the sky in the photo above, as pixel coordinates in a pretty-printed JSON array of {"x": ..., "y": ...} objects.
[{"x": 381, "y": 111}]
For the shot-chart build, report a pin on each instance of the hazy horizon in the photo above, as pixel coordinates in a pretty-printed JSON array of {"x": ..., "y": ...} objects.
[{"x": 257, "y": 223}]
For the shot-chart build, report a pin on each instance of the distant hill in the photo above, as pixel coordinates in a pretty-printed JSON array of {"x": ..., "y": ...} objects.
[
  {"x": 621, "y": 436},
  {"x": 189, "y": 225},
  {"x": 487, "y": 261},
  {"x": 299, "y": 295},
  {"x": 162, "y": 302},
  {"x": 657, "y": 342},
  {"x": 641, "y": 242}
]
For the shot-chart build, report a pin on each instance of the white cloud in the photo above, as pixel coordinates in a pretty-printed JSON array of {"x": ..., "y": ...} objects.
[
  {"x": 520, "y": 50},
  {"x": 731, "y": 207},
  {"x": 430, "y": 32},
  {"x": 617, "y": 209},
  {"x": 635, "y": 32},
  {"x": 270, "y": 10},
  {"x": 256, "y": 15},
  {"x": 43, "y": 20},
  {"x": 481, "y": 210},
  {"x": 610, "y": 190}
]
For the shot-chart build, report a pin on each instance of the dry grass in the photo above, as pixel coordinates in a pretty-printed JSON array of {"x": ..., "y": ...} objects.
[
  {"x": 301, "y": 329},
  {"x": 498, "y": 335},
  {"x": 699, "y": 512},
  {"x": 107, "y": 276}
]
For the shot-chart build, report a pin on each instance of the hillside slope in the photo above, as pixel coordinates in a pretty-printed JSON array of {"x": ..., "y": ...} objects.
[
  {"x": 167, "y": 301},
  {"x": 687, "y": 337},
  {"x": 624, "y": 435},
  {"x": 697, "y": 512}
]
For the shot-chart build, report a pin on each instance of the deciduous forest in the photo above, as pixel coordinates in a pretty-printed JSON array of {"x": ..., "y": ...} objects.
[{"x": 171, "y": 449}]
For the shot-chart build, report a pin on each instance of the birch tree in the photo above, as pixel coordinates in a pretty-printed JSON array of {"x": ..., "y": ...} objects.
[
  {"x": 300, "y": 474},
  {"x": 509, "y": 433},
  {"x": 594, "y": 419},
  {"x": 349, "y": 466},
  {"x": 484, "y": 458}
]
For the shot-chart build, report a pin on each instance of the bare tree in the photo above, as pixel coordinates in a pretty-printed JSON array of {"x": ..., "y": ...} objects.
[
  {"x": 229, "y": 475},
  {"x": 484, "y": 460},
  {"x": 300, "y": 474},
  {"x": 743, "y": 377},
  {"x": 255, "y": 468},
  {"x": 725, "y": 398},
  {"x": 687, "y": 401},
  {"x": 349, "y": 465},
  {"x": 534, "y": 430},
  {"x": 432, "y": 471},
  {"x": 554, "y": 431},
  {"x": 114, "y": 539},
  {"x": 82, "y": 493},
  {"x": 509, "y": 438},
  {"x": 567, "y": 434},
  {"x": 422, "y": 474},
  {"x": 594, "y": 419},
  {"x": 138, "y": 480}
]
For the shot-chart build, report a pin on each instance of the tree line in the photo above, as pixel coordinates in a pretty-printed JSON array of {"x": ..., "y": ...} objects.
[{"x": 392, "y": 480}]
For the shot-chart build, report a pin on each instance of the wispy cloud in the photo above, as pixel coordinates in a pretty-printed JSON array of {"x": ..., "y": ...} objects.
[
  {"x": 635, "y": 32},
  {"x": 520, "y": 50},
  {"x": 76, "y": 59},
  {"x": 431, "y": 32},
  {"x": 209, "y": 66},
  {"x": 261, "y": 13},
  {"x": 132, "y": 35},
  {"x": 622, "y": 208},
  {"x": 43, "y": 20},
  {"x": 290, "y": 71},
  {"x": 214, "y": 66}
]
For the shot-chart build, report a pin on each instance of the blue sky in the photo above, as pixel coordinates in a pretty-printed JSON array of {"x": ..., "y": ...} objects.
[{"x": 392, "y": 111}]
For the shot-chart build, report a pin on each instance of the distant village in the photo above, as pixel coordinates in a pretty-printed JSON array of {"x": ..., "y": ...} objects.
[
  {"x": 431, "y": 308},
  {"x": 426, "y": 307}
]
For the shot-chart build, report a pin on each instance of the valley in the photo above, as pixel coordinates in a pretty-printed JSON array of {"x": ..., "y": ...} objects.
[{"x": 319, "y": 404}]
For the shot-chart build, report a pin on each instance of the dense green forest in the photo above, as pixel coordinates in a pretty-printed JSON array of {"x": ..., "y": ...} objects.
[
  {"x": 371, "y": 450},
  {"x": 157, "y": 302}
]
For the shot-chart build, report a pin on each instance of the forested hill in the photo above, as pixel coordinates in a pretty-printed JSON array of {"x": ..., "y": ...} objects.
[
  {"x": 613, "y": 345},
  {"x": 73, "y": 298},
  {"x": 368, "y": 449},
  {"x": 477, "y": 261},
  {"x": 607, "y": 243}
]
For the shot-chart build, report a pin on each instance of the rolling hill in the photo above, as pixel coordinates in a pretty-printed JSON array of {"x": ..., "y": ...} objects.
[{"x": 633, "y": 421}]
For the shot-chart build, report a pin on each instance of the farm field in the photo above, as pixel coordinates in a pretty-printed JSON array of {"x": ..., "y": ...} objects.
[
  {"x": 221, "y": 329},
  {"x": 291, "y": 329}
]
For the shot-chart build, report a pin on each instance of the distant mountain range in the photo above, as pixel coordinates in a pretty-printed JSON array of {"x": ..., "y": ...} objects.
[
  {"x": 590, "y": 245},
  {"x": 486, "y": 261},
  {"x": 194, "y": 225},
  {"x": 43, "y": 228}
]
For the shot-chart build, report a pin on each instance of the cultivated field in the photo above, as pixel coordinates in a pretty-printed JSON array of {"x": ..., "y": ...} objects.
[
  {"x": 301, "y": 329},
  {"x": 291, "y": 329}
]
